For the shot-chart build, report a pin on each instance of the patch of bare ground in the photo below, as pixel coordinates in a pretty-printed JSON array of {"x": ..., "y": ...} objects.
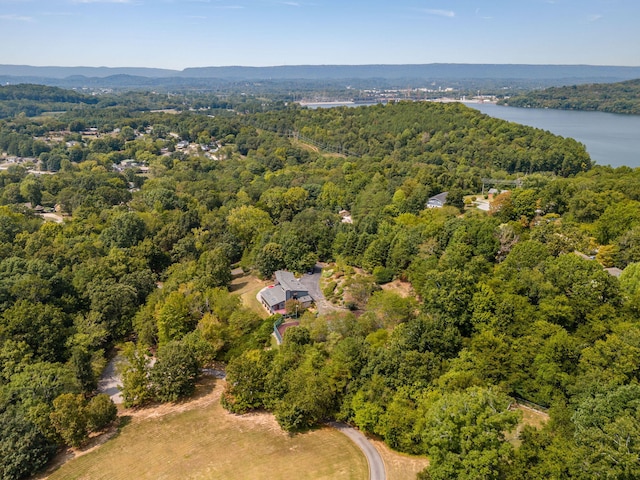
[
  {"x": 205, "y": 395},
  {"x": 530, "y": 416},
  {"x": 306, "y": 146},
  {"x": 404, "y": 289}
]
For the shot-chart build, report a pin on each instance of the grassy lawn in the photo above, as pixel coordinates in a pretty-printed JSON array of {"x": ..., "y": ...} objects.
[
  {"x": 247, "y": 287},
  {"x": 200, "y": 440}
]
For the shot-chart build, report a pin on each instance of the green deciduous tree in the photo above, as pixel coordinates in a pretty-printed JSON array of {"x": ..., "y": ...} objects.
[
  {"x": 41, "y": 326},
  {"x": 134, "y": 368},
  {"x": 245, "y": 387},
  {"x": 174, "y": 317},
  {"x": 175, "y": 372},
  {"x": 70, "y": 418},
  {"x": 270, "y": 259},
  {"x": 608, "y": 426},
  {"x": 247, "y": 223},
  {"x": 125, "y": 230},
  {"x": 463, "y": 434},
  {"x": 101, "y": 411},
  {"x": 23, "y": 448},
  {"x": 214, "y": 268}
]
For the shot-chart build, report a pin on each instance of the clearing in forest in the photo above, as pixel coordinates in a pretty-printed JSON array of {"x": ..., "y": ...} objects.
[
  {"x": 199, "y": 439},
  {"x": 531, "y": 417}
]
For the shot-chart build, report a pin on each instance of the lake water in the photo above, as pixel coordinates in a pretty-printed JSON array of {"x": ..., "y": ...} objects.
[{"x": 610, "y": 139}]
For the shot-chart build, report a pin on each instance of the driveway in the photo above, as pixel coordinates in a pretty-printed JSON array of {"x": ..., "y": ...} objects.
[
  {"x": 110, "y": 380},
  {"x": 376, "y": 465},
  {"x": 312, "y": 282}
]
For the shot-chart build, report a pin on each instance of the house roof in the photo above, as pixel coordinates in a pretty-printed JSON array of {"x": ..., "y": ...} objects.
[
  {"x": 273, "y": 295},
  {"x": 285, "y": 282},
  {"x": 305, "y": 299},
  {"x": 289, "y": 282},
  {"x": 439, "y": 199}
]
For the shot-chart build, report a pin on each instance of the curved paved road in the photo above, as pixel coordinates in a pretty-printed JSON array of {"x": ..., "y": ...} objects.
[{"x": 376, "y": 466}]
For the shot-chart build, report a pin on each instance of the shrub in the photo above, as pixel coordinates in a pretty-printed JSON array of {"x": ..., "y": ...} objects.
[
  {"x": 101, "y": 411},
  {"x": 329, "y": 289},
  {"x": 382, "y": 275}
]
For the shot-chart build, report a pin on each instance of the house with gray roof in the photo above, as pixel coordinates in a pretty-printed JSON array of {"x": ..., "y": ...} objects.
[
  {"x": 286, "y": 287},
  {"x": 438, "y": 201}
]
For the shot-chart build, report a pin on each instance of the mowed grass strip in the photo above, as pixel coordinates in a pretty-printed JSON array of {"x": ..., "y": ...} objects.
[{"x": 206, "y": 442}]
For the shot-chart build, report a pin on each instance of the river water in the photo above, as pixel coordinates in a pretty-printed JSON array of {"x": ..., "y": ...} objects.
[{"x": 610, "y": 139}]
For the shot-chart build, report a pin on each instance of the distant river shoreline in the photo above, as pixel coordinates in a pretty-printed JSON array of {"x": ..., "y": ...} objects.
[{"x": 611, "y": 139}]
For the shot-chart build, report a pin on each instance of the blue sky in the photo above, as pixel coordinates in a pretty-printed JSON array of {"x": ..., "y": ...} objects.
[{"x": 191, "y": 33}]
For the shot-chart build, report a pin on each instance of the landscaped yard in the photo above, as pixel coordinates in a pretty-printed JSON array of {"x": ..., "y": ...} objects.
[{"x": 198, "y": 439}]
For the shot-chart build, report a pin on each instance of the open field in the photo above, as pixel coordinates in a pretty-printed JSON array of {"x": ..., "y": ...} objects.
[
  {"x": 200, "y": 440},
  {"x": 247, "y": 287}
]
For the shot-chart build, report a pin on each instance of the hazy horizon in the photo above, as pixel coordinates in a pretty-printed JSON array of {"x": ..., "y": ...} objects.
[
  {"x": 314, "y": 65},
  {"x": 179, "y": 34}
]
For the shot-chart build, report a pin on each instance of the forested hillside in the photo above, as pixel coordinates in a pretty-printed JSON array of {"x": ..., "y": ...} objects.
[
  {"x": 32, "y": 100},
  {"x": 622, "y": 97},
  {"x": 155, "y": 208}
]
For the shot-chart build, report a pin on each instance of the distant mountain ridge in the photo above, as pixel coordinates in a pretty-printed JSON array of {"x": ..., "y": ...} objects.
[
  {"x": 318, "y": 72},
  {"x": 65, "y": 72}
]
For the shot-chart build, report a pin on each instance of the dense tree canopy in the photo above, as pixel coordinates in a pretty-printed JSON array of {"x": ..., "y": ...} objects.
[
  {"x": 621, "y": 97},
  {"x": 508, "y": 303}
]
